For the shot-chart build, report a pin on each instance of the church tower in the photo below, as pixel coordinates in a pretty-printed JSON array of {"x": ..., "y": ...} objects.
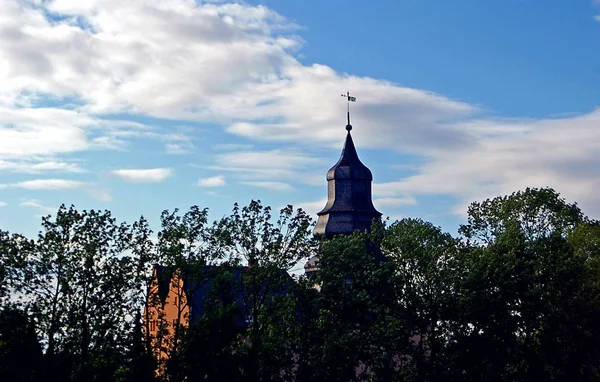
[
  {"x": 349, "y": 199},
  {"x": 349, "y": 202}
]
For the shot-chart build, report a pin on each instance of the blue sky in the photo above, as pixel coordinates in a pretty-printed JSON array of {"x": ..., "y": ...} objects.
[{"x": 142, "y": 106}]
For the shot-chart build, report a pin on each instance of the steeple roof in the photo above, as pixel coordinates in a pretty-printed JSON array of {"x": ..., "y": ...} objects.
[
  {"x": 349, "y": 206},
  {"x": 349, "y": 165}
]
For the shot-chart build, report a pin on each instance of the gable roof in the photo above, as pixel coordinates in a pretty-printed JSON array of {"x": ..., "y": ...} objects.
[{"x": 199, "y": 283}]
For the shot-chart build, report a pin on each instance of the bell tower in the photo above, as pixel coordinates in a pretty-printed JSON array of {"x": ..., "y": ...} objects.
[
  {"x": 349, "y": 205},
  {"x": 349, "y": 197}
]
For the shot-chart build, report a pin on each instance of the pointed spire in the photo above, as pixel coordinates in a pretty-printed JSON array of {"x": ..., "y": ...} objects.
[
  {"x": 349, "y": 151},
  {"x": 349, "y": 206},
  {"x": 349, "y": 164}
]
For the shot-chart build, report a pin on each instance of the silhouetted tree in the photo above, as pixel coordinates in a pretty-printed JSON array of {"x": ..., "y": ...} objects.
[
  {"x": 20, "y": 351},
  {"x": 515, "y": 297}
]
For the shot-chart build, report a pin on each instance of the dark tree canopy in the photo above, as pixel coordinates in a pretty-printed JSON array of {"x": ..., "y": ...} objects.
[{"x": 515, "y": 296}]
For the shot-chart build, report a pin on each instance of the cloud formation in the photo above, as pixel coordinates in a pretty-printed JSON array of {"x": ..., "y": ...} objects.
[
  {"x": 27, "y": 132},
  {"x": 39, "y": 206},
  {"x": 28, "y": 167},
  {"x": 405, "y": 200},
  {"x": 313, "y": 207},
  {"x": 69, "y": 67},
  {"x": 143, "y": 175},
  {"x": 269, "y": 165},
  {"x": 213, "y": 181},
  {"x": 274, "y": 186},
  {"x": 227, "y": 63},
  {"x": 510, "y": 155},
  {"x": 46, "y": 184}
]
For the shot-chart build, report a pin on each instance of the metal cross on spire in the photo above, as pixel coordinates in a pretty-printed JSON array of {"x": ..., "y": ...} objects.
[{"x": 349, "y": 99}]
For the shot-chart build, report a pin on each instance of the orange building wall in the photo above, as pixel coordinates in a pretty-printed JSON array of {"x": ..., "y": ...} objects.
[{"x": 162, "y": 319}]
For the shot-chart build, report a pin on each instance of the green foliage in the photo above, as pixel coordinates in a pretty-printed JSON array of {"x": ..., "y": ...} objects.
[
  {"x": 20, "y": 351},
  {"x": 515, "y": 297},
  {"x": 360, "y": 324},
  {"x": 79, "y": 288},
  {"x": 269, "y": 249},
  {"x": 249, "y": 235},
  {"x": 210, "y": 349},
  {"x": 531, "y": 292},
  {"x": 428, "y": 271},
  {"x": 537, "y": 212},
  {"x": 15, "y": 253}
]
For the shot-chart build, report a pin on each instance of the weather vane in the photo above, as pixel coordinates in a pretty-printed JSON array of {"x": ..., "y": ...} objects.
[{"x": 349, "y": 99}]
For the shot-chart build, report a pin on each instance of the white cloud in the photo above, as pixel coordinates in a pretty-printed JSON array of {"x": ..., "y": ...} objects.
[
  {"x": 159, "y": 59},
  {"x": 284, "y": 159},
  {"x": 269, "y": 166},
  {"x": 2, "y": 204},
  {"x": 176, "y": 148},
  {"x": 43, "y": 209},
  {"x": 506, "y": 156},
  {"x": 46, "y": 184},
  {"x": 311, "y": 208},
  {"x": 27, "y": 132},
  {"x": 30, "y": 167},
  {"x": 145, "y": 175},
  {"x": 175, "y": 47},
  {"x": 406, "y": 200},
  {"x": 276, "y": 186},
  {"x": 288, "y": 110},
  {"x": 175, "y": 143},
  {"x": 125, "y": 49},
  {"x": 213, "y": 181},
  {"x": 101, "y": 194},
  {"x": 42, "y": 134},
  {"x": 232, "y": 147},
  {"x": 107, "y": 142}
]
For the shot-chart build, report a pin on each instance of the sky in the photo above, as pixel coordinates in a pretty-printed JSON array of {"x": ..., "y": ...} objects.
[{"x": 144, "y": 105}]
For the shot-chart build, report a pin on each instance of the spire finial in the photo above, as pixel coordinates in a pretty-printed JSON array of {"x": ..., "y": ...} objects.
[{"x": 349, "y": 99}]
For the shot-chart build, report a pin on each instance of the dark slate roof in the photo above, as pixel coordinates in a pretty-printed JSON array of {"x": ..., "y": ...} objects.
[
  {"x": 349, "y": 205},
  {"x": 199, "y": 285},
  {"x": 349, "y": 165}
]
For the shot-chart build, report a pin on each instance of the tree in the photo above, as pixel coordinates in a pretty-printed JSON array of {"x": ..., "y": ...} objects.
[
  {"x": 269, "y": 248},
  {"x": 79, "y": 290},
  {"x": 185, "y": 252},
  {"x": 140, "y": 360},
  {"x": 530, "y": 299},
  {"x": 515, "y": 297},
  {"x": 427, "y": 268},
  {"x": 539, "y": 213},
  {"x": 361, "y": 328},
  {"x": 20, "y": 351},
  {"x": 15, "y": 253},
  {"x": 210, "y": 347}
]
